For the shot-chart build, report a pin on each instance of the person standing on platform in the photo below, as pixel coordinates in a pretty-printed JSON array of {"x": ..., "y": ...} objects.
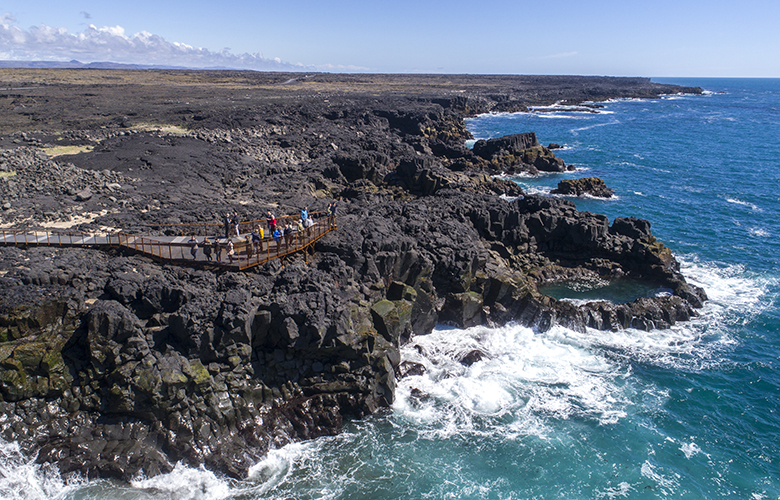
[
  {"x": 278, "y": 239},
  {"x": 257, "y": 238},
  {"x": 207, "y": 248},
  {"x": 231, "y": 251},
  {"x": 193, "y": 247},
  {"x": 270, "y": 219},
  {"x": 227, "y": 225},
  {"x": 333, "y": 209},
  {"x": 288, "y": 235},
  {"x": 249, "y": 246}
]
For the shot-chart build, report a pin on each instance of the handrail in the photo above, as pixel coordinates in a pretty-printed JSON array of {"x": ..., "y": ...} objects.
[
  {"x": 250, "y": 224},
  {"x": 246, "y": 253}
]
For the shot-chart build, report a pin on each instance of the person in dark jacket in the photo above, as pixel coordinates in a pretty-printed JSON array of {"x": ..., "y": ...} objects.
[
  {"x": 228, "y": 219},
  {"x": 207, "y": 248}
]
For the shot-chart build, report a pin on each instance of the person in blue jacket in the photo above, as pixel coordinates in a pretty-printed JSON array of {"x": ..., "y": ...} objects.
[{"x": 277, "y": 238}]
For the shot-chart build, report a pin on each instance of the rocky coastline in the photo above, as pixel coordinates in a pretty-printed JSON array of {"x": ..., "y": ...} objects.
[{"x": 112, "y": 364}]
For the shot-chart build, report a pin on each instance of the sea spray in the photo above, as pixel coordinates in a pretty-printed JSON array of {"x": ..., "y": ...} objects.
[{"x": 21, "y": 478}]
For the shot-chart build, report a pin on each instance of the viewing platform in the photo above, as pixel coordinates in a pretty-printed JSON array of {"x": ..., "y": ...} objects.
[{"x": 178, "y": 249}]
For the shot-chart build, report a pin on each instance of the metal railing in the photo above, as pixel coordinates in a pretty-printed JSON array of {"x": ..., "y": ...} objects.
[
  {"x": 206, "y": 229},
  {"x": 50, "y": 238},
  {"x": 246, "y": 253}
]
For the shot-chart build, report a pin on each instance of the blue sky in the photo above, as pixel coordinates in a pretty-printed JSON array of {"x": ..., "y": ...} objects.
[{"x": 622, "y": 38}]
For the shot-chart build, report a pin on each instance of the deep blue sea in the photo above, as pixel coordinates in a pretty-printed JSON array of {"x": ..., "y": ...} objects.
[{"x": 689, "y": 412}]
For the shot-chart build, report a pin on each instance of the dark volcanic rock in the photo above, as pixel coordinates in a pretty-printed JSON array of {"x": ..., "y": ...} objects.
[
  {"x": 519, "y": 153},
  {"x": 578, "y": 187},
  {"x": 111, "y": 364},
  {"x": 472, "y": 357},
  {"x": 510, "y": 144}
]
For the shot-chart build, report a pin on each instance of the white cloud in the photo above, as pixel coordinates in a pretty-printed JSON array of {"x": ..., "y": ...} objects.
[{"x": 111, "y": 43}]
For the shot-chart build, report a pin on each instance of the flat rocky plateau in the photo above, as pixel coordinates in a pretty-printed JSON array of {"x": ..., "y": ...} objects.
[{"x": 112, "y": 363}]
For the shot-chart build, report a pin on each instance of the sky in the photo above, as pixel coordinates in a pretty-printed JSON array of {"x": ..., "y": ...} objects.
[{"x": 662, "y": 38}]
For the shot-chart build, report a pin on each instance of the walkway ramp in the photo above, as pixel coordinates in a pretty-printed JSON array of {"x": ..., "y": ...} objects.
[{"x": 179, "y": 249}]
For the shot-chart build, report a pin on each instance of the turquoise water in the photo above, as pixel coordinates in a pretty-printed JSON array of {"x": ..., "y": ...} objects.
[
  {"x": 688, "y": 412},
  {"x": 617, "y": 291}
]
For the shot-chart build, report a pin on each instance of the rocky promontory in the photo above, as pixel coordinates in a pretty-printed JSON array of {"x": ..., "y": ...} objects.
[
  {"x": 592, "y": 186},
  {"x": 111, "y": 363}
]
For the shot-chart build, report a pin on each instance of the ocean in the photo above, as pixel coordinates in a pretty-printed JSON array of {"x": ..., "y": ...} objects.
[{"x": 688, "y": 412}]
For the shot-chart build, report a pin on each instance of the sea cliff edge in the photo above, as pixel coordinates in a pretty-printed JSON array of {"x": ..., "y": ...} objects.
[{"x": 112, "y": 363}]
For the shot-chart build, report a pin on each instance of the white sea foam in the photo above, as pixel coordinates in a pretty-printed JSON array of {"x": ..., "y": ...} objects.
[
  {"x": 277, "y": 466},
  {"x": 691, "y": 449},
  {"x": 521, "y": 175},
  {"x": 536, "y": 190},
  {"x": 731, "y": 289},
  {"x": 499, "y": 114},
  {"x": 23, "y": 479},
  {"x": 560, "y": 107},
  {"x": 588, "y": 196},
  {"x": 186, "y": 483},
  {"x": 698, "y": 344},
  {"x": 622, "y": 490},
  {"x": 744, "y": 203},
  {"x": 667, "y": 484},
  {"x": 526, "y": 381},
  {"x": 575, "y": 131},
  {"x": 759, "y": 232},
  {"x": 523, "y": 382},
  {"x": 626, "y": 99},
  {"x": 561, "y": 115}
]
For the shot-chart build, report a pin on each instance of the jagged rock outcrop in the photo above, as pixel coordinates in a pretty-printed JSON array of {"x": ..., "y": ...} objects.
[
  {"x": 592, "y": 186},
  {"x": 519, "y": 153}
]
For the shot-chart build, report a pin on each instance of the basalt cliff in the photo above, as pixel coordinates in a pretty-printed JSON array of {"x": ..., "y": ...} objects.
[{"x": 112, "y": 363}]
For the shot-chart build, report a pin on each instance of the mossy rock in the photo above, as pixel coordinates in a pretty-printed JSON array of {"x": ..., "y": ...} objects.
[
  {"x": 197, "y": 373},
  {"x": 120, "y": 399},
  {"x": 30, "y": 355},
  {"x": 463, "y": 309},
  {"x": 53, "y": 363},
  {"x": 401, "y": 291},
  {"x": 6, "y": 350},
  {"x": 386, "y": 320},
  {"x": 14, "y": 382},
  {"x": 24, "y": 320},
  {"x": 172, "y": 377},
  {"x": 147, "y": 379}
]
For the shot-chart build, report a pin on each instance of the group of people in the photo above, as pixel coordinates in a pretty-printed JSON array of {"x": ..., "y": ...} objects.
[
  {"x": 231, "y": 225},
  {"x": 210, "y": 249},
  {"x": 254, "y": 240}
]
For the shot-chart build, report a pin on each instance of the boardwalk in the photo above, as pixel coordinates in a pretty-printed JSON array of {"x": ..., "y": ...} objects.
[{"x": 179, "y": 248}]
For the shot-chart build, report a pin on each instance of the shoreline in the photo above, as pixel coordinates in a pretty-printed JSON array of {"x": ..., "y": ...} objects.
[{"x": 169, "y": 364}]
